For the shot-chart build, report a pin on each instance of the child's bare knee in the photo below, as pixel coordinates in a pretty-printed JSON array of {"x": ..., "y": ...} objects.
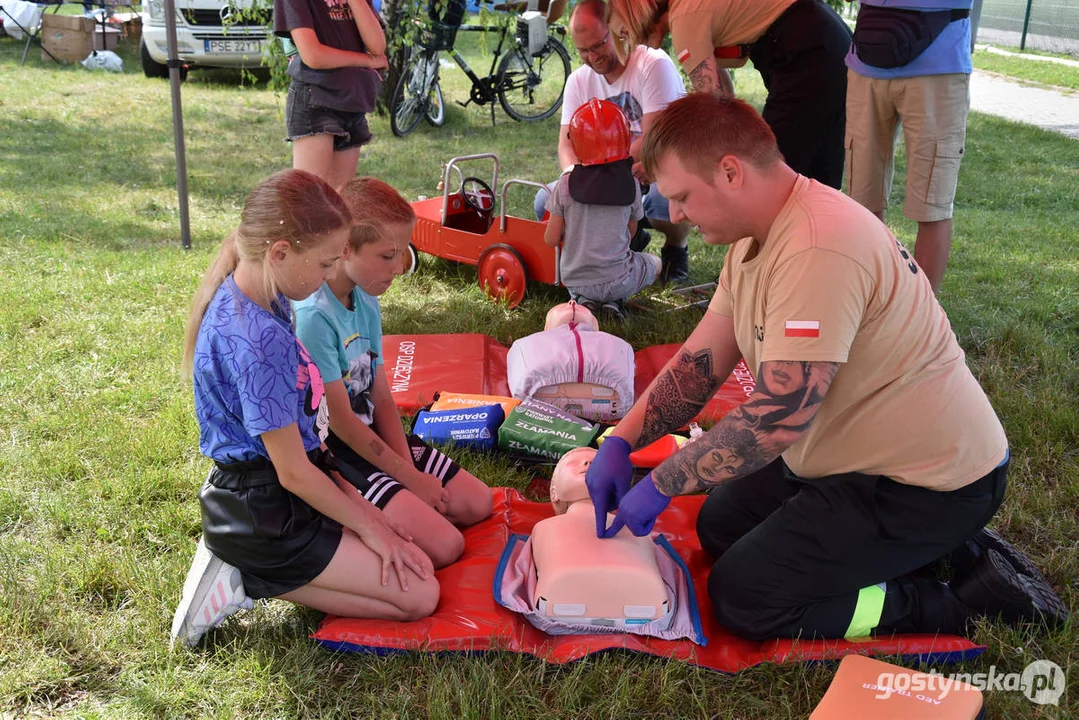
[
  {"x": 474, "y": 507},
  {"x": 420, "y": 600},
  {"x": 446, "y": 547}
]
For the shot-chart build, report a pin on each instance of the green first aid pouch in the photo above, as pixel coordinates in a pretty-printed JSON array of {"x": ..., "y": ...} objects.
[{"x": 538, "y": 431}]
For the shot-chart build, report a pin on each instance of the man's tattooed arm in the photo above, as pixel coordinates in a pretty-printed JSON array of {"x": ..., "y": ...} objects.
[
  {"x": 709, "y": 77},
  {"x": 780, "y": 410},
  {"x": 678, "y": 394}
]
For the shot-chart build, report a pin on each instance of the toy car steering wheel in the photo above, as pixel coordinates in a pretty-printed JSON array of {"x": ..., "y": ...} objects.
[{"x": 478, "y": 195}]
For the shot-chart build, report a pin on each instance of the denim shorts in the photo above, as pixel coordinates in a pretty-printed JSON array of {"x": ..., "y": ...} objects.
[{"x": 304, "y": 118}]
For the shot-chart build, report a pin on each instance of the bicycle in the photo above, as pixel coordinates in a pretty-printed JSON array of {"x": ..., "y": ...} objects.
[{"x": 528, "y": 80}]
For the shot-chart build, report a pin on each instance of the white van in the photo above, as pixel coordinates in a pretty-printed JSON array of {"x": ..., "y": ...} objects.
[{"x": 209, "y": 33}]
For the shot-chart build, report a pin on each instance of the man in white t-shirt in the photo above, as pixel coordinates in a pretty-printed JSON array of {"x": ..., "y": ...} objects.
[{"x": 642, "y": 86}]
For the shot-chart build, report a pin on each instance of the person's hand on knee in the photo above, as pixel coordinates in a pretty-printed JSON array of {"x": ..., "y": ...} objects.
[{"x": 428, "y": 487}]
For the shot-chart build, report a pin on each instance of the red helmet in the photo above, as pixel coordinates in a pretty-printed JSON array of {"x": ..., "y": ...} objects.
[{"x": 599, "y": 133}]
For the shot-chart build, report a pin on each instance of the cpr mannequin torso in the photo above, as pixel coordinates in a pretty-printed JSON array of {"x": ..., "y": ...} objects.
[
  {"x": 582, "y": 576},
  {"x": 573, "y": 366}
]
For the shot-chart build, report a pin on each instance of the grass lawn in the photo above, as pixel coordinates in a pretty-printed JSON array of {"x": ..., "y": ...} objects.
[
  {"x": 1029, "y": 68},
  {"x": 99, "y": 462}
]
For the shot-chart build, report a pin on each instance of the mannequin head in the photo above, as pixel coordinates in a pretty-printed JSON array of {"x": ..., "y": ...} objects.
[
  {"x": 570, "y": 312},
  {"x": 567, "y": 481}
]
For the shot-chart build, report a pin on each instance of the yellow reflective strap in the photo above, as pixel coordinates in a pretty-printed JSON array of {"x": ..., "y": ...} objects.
[{"x": 866, "y": 612}]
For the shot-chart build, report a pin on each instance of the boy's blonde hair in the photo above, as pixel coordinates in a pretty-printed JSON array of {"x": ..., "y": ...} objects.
[
  {"x": 373, "y": 204},
  {"x": 291, "y": 205}
]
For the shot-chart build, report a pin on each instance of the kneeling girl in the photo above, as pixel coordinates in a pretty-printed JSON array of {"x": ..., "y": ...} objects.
[{"x": 273, "y": 506}]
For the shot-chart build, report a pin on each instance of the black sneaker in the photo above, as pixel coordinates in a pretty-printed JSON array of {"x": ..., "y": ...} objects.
[
  {"x": 640, "y": 240},
  {"x": 995, "y": 588},
  {"x": 588, "y": 304},
  {"x": 614, "y": 310},
  {"x": 985, "y": 539},
  {"x": 675, "y": 267}
]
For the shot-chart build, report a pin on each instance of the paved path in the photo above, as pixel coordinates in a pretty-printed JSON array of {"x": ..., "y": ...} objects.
[
  {"x": 1026, "y": 56},
  {"x": 1050, "y": 43},
  {"x": 1048, "y": 109}
]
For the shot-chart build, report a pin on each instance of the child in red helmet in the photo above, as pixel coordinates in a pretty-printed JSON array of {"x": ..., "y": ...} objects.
[{"x": 594, "y": 211}]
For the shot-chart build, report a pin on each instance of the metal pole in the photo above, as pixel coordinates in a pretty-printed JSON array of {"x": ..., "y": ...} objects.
[
  {"x": 975, "y": 19},
  {"x": 174, "y": 66},
  {"x": 1026, "y": 24}
]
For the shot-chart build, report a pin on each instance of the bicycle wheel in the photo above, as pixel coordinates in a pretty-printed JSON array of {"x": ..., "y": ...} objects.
[
  {"x": 436, "y": 109},
  {"x": 530, "y": 88},
  {"x": 410, "y": 98}
]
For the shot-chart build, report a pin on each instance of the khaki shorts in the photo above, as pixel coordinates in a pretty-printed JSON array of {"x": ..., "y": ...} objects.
[{"x": 933, "y": 112}]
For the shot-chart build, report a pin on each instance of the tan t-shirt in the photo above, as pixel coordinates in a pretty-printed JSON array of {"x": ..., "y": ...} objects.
[
  {"x": 698, "y": 27},
  {"x": 832, "y": 284}
]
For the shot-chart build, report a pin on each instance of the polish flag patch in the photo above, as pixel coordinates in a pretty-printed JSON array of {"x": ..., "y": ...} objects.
[
  {"x": 801, "y": 328},
  {"x": 683, "y": 56}
]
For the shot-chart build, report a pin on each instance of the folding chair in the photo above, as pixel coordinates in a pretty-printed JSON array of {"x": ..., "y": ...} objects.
[{"x": 28, "y": 20}]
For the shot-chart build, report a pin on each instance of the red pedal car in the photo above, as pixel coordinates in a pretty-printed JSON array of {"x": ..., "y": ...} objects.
[{"x": 461, "y": 226}]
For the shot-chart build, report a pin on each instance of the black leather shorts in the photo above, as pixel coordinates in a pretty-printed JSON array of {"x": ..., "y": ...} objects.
[{"x": 277, "y": 541}]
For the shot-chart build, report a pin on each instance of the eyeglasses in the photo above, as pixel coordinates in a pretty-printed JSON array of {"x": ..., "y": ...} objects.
[{"x": 592, "y": 50}]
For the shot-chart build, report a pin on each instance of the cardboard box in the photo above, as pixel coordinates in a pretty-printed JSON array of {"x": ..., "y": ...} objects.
[
  {"x": 108, "y": 40},
  {"x": 133, "y": 30},
  {"x": 69, "y": 38}
]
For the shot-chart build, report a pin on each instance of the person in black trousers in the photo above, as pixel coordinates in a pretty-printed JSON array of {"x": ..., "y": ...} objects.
[{"x": 867, "y": 451}]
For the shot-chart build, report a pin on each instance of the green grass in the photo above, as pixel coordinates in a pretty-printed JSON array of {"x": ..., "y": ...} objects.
[
  {"x": 99, "y": 466},
  {"x": 1029, "y": 68}
]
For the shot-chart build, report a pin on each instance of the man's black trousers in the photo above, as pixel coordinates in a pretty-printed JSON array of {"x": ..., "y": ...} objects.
[
  {"x": 833, "y": 557},
  {"x": 801, "y": 60}
]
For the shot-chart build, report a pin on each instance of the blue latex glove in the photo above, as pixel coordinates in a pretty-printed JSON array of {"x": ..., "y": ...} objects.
[
  {"x": 608, "y": 478},
  {"x": 639, "y": 509}
]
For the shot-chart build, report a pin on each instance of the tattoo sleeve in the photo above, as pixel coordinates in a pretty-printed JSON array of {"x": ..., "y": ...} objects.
[
  {"x": 703, "y": 78},
  {"x": 678, "y": 394},
  {"x": 780, "y": 410},
  {"x": 706, "y": 78}
]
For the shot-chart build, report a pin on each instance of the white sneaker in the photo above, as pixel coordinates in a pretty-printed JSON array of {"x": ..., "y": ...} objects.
[{"x": 213, "y": 590}]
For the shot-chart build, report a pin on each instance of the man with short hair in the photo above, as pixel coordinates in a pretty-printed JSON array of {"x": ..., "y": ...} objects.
[
  {"x": 867, "y": 450},
  {"x": 642, "y": 86}
]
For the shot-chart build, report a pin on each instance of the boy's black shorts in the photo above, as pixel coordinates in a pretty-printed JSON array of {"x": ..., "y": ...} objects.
[{"x": 377, "y": 487}]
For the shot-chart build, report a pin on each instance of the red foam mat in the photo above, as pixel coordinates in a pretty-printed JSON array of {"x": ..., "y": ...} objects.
[
  {"x": 418, "y": 366},
  {"x": 469, "y": 619}
]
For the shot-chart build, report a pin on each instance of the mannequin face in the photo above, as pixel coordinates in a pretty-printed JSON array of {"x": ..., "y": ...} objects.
[
  {"x": 567, "y": 312},
  {"x": 567, "y": 481}
]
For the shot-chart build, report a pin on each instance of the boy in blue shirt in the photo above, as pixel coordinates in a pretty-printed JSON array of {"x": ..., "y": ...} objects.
[{"x": 341, "y": 326}]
